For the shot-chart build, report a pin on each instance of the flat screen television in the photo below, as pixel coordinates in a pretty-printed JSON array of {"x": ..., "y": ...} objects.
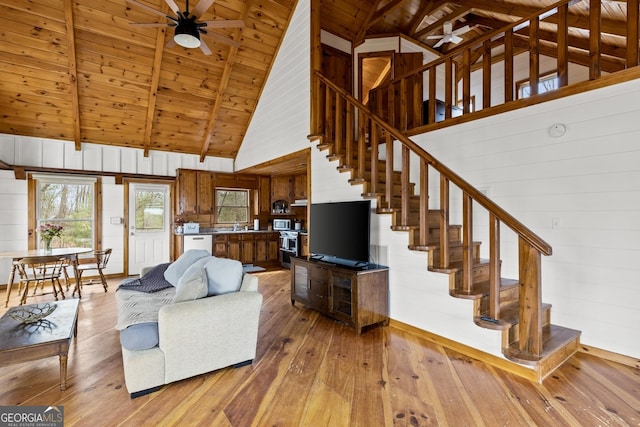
[{"x": 339, "y": 232}]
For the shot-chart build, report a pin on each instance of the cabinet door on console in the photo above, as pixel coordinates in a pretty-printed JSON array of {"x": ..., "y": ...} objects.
[{"x": 299, "y": 283}]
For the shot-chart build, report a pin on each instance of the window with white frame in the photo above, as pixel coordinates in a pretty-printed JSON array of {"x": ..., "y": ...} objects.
[
  {"x": 68, "y": 202},
  {"x": 546, "y": 83}
]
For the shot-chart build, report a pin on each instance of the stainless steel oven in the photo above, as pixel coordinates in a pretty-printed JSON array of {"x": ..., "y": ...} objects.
[{"x": 289, "y": 246}]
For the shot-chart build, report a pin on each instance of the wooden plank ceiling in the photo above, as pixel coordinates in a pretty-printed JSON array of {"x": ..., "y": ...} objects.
[{"x": 78, "y": 70}]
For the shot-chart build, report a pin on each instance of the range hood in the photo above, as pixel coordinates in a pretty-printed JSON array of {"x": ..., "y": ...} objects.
[{"x": 299, "y": 202}]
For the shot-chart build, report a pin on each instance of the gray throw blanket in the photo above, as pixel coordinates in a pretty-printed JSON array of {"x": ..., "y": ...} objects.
[{"x": 151, "y": 282}]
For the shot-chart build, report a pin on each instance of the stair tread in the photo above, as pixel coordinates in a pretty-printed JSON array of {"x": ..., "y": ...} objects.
[
  {"x": 481, "y": 288},
  {"x": 554, "y": 338},
  {"x": 509, "y": 316}
]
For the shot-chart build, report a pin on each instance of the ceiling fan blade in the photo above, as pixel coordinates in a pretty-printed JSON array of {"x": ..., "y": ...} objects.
[
  {"x": 147, "y": 8},
  {"x": 461, "y": 30},
  {"x": 223, "y": 23},
  {"x": 440, "y": 43},
  {"x": 204, "y": 48},
  {"x": 202, "y": 7},
  {"x": 149, "y": 24},
  {"x": 434, "y": 37},
  {"x": 173, "y": 6},
  {"x": 456, "y": 39},
  {"x": 222, "y": 39}
]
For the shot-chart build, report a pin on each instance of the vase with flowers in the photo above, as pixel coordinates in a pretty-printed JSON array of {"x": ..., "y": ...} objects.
[{"x": 47, "y": 232}]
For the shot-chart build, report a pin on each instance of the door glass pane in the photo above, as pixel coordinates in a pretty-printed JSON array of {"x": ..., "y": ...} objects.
[{"x": 150, "y": 212}]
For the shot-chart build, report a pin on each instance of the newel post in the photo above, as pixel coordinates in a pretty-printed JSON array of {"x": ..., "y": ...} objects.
[{"x": 530, "y": 311}]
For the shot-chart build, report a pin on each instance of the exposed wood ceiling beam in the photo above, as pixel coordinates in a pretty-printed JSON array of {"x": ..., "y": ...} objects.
[
  {"x": 428, "y": 8},
  {"x": 153, "y": 89},
  {"x": 359, "y": 38},
  {"x": 73, "y": 72},
  {"x": 380, "y": 14},
  {"x": 224, "y": 81},
  {"x": 577, "y": 42},
  {"x": 461, "y": 11}
]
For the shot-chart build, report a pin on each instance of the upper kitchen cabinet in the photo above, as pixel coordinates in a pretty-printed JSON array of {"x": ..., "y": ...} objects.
[
  {"x": 300, "y": 187},
  {"x": 285, "y": 191},
  {"x": 195, "y": 192}
]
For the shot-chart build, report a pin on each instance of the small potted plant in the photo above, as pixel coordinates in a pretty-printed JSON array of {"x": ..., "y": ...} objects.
[{"x": 47, "y": 232}]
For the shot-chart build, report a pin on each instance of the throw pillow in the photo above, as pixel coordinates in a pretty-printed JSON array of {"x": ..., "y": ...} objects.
[
  {"x": 174, "y": 272},
  {"x": 193, "y": 283},
  {"x": 140, "y": 336},
  {"x": 224, "y": 275}
]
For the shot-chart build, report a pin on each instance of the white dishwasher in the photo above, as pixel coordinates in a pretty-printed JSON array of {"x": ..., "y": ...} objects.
[{"x": 198, "y": 241}]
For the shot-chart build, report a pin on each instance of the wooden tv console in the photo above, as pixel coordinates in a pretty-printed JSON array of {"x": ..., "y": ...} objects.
[{"x": 356, "y": 297}]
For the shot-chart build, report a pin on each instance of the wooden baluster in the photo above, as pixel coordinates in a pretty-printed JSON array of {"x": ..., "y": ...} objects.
[
  {"x": 494, "y": 266},
  {"x": 431, "y": 114},
  {"x": 448, "y": 87},
  {"x": 633, "y": 25},
  {"x": 388, "y": 170},
  {"x": 348, "y": 157},
  {"x": 391, "y": 105},
  {"x": 466, "y": 81},
  {"x": 363, "y": 122},
  {"x": 403, "y": 120},
  {"x": 320, "y": 95},
  {"x": 328, "y": 115},
  {"x": 424, "y": 202},
  {"x": 374, "y": 158},
  {"x": 486, "y": 74},
  {"x": 406, "y": 157},
  {"x": 467, "y": 243},
  {"x": 508, "y": 65},
  {"x": 338, "y": 149},
  {"x": 444, "y": 221},
  {"x": 563, "y": 45},
  {"x": 417, "y": 101},
  {"x": 530, "y": 316},
  {"x": 534, "y": 55},
  {"x": 595, "y": 28}
]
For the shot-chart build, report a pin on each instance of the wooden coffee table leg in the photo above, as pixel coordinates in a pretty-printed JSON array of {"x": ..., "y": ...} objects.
[{"x": 63, "y": 371}]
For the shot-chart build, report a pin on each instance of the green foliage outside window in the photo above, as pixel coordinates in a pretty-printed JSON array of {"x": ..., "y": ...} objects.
[
  {"x": 68, "y": 205},
  {"x": 150, "y": 210},
  {"x": 232, "y": 206}
]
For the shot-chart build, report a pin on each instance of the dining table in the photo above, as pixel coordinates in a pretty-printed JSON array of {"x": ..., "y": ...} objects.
[{"x": 70, "y": 254}]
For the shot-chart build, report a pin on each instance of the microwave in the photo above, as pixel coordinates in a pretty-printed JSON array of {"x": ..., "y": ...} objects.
[{"x": 282, "y": 224}]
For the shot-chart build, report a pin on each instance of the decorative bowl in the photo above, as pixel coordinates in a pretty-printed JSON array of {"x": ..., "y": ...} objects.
[{"x": 32, "y": 313}]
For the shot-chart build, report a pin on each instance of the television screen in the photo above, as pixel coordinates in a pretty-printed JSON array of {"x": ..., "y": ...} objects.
[{"x": 340, "y": 230}]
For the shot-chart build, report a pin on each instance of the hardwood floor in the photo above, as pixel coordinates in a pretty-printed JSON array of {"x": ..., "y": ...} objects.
[{"x": 313, "y": 371}]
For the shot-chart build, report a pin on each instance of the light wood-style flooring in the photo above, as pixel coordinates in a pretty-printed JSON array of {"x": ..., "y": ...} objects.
[{"x": 313, "y": 371}]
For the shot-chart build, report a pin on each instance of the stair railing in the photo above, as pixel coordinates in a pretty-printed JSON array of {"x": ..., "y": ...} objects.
[
  {"x": 523, "y": 35},
  {"x": 344, "y": 123}
]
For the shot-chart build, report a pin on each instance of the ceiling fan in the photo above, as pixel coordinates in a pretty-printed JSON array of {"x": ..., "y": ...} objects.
[
  {"x": 187, "y": 27},
  {"x": 449, "y": 34}
]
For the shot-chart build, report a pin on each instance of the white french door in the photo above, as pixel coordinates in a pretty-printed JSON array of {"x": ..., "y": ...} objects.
[{"x": 149, "y": 227}]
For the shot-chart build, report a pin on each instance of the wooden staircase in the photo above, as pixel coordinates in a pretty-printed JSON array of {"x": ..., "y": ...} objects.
[{"x": 512, "y": 306}]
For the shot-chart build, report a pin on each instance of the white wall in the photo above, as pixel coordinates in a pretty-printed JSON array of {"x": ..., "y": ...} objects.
[
  {"x": 58, "y": 154},
  {"x": 280, "y": 124}
]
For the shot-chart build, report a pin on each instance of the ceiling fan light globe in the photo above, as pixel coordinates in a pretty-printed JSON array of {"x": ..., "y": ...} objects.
[{"x": 187, "y": 40}]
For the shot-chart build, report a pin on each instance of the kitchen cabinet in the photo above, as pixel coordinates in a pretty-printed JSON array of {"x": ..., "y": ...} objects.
[
  {"x": 264, "y": 196},
  {"x": 300, "y": 187},
  {"x": 281, "y": 188},
  {"x": 357, "y": 297},
  {"x": 194, "y": 192},
  {"x": 249, "y": 248}
]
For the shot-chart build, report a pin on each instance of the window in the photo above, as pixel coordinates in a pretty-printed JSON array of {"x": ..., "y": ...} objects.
[
  {"x": 232, "y": 206},
  {"x": 70, "y": 203},
  {"x": 546, "y": 83},
  {"x": 150, "y": 214}
]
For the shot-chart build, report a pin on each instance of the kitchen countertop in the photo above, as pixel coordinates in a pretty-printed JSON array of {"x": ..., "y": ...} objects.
[{"x": 207, "y": 232}]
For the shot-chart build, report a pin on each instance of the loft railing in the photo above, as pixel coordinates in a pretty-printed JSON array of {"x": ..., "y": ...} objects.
[
  {"x": 355, "y": 134},
  {"x": 400, "y": 102}
]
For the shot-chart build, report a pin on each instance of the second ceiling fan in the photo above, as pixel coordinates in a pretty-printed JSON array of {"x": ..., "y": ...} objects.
[
  {"x": 188, "y": 28},
  {"x": 449, "y": 34}
]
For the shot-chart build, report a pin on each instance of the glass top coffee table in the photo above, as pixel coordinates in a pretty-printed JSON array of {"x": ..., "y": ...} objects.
[{"x": 50, "y": 336}]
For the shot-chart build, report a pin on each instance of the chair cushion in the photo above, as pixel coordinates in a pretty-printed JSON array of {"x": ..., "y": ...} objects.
[
  {"x": 140, "y": 336},
  {"x": 224, "y": 275},
  {"x": 177, "y": 268},
  {"x": 193, "y": 283}
]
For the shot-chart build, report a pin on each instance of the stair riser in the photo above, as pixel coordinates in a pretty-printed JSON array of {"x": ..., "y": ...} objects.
[
  {"x": 455, "y": 254},
  {"x": 513, "y": 334},
  {"x": 507, "y": 296}
]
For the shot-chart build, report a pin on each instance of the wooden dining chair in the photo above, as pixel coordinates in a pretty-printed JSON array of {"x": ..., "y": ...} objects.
[
  {"x": 101, "y": 258},
  {"x": 40, "y": 270}
]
